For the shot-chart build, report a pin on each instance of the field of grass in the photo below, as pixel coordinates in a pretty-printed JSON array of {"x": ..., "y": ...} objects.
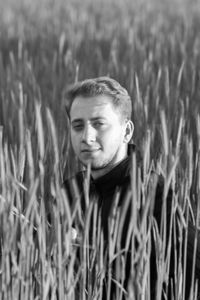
[{"x": 151, "y": 48}]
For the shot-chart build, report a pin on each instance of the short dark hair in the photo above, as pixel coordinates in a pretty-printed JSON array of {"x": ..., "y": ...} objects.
[{"x": 101, "y": 86}]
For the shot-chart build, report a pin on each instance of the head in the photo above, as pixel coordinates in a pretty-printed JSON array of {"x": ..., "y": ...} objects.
[{"x": 99, "y": 111}]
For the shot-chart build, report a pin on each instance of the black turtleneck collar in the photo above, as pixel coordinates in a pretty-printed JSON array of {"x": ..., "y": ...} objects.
[
  {"x": 114, "y": 177},
  {"x": 118, "y": 174}
]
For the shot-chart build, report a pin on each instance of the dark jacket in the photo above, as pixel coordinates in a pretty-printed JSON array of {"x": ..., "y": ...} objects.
[{"x": 118, "y": 184}]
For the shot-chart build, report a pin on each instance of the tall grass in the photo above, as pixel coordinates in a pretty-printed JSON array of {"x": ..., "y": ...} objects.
[{"x": 154, "y": 52}]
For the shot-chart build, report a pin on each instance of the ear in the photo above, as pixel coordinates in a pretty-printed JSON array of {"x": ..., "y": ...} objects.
[{"x": 129, "y": 129}]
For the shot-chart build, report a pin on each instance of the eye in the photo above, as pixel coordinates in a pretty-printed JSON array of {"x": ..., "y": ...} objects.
[
  {"x": 77, "y": 127},
  {"x": 98, "y": 124}
]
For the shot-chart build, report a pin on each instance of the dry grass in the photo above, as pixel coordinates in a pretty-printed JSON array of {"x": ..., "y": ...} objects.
[{"x": 153, "y": 51}]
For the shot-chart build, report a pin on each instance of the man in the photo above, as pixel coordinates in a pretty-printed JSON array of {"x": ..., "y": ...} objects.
[{"x": 101, "y": 131}]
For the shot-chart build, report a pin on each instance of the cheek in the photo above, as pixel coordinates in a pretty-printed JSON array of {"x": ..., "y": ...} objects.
[
  {"x": 112, "y": 137},
  {"x": 75, "y": 141}
]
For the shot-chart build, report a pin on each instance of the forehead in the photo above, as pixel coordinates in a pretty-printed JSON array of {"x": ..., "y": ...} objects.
[{"x": 90, "y": 107}]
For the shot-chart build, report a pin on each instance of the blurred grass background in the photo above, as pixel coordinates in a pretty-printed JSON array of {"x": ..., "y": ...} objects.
[{"x": 47, "y": 44}]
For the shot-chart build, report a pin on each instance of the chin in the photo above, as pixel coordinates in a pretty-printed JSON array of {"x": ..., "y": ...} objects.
[
  {"x": 99, "y": 165},
  {"x": 94, "y": 165}
]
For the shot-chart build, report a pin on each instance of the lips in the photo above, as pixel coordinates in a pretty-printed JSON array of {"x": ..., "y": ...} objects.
[{"x": 90, "y": 150}]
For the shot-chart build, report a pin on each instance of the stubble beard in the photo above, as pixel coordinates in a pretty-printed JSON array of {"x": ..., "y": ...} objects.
[{"x": 100, "y": 164}]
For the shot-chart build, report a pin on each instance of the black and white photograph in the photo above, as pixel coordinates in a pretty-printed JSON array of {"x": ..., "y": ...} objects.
[{"x": 100, "y": 150}]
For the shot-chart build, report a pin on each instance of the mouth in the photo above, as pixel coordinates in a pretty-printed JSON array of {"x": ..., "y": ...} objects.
[{"x": 90, "y": 150}]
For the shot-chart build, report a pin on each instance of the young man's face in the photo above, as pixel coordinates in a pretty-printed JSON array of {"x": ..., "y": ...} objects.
[{"x": 99, "y": 135}]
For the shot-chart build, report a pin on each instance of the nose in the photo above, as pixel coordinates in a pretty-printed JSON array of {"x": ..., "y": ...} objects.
[{"x": 89, "y": 135}]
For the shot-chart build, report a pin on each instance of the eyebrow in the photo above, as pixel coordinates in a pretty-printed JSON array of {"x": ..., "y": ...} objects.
[
  {"x": 77, "y": 120},
  {"x": 92, "y": 119}
]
